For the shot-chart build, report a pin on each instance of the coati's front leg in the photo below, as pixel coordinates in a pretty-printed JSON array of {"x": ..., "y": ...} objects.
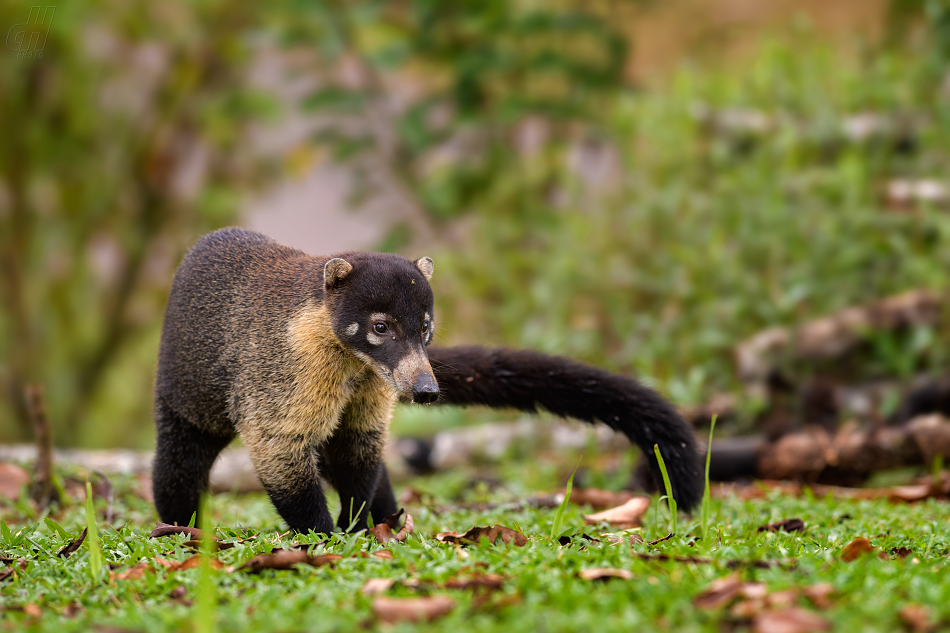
[
  {"x": 287, "y": 467},
  {"x": 354, "y": 455},
  {"x": 184, "y": 454}
]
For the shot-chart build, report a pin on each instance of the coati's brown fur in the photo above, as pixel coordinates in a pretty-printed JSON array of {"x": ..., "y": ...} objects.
[{"x": 305, "y": 358}]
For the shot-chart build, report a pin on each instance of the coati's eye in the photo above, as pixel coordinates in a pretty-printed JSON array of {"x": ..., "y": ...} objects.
[
  {"x": 380, "y": 328},
  {"x": 425, "y": 327}
]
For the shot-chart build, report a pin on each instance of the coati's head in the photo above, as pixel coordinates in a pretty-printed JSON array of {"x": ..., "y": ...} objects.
[{"x": 381, "y": 310}]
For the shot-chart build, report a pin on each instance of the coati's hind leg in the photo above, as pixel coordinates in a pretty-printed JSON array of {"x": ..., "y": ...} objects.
[
  {"x": 183, "y": 458},
  {"x": 354, "y": 455},
  {"x": 287, "y": 467}
]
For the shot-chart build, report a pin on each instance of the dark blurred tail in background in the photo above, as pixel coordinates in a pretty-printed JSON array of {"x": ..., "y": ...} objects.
[{"x": 530, "y": 381}]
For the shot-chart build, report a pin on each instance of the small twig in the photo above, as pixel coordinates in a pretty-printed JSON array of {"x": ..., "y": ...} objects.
[
  {"x": 662, "y": 538},
  {"x": 43, "y": 492}
]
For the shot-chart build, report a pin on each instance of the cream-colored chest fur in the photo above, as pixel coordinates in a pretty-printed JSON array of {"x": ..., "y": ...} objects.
[{"x": 327, "y": 378}]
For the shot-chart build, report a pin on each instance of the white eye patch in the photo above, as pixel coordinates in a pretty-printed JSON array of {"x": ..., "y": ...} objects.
[
  {"x": 352, "y": 329},
  {"x": 371, "y": 336}
]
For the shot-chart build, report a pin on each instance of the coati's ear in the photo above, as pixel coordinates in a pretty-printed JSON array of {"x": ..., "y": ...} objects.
[
  {"x": 424, "y": 264},
  {"x": 335, "y": 271}
]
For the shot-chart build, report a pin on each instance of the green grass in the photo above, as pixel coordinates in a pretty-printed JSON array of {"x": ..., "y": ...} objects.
[{"x": 542, "y": 590}]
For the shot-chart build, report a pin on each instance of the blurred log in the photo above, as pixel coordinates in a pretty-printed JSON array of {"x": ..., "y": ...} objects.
[
  {"x": 43, "y": 491},
  {"x": 851, "y": 455},
  {"x": 833, "y": 336}
]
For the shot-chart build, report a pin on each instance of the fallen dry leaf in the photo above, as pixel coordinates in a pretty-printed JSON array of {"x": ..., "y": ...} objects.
[
  {"x": 791, "y": 620},
  {"x": 599, "y": 498},
  {"x": 916, "y": 617},
  {"x": 383, "y": 554},
  {"x": 624, "y": 516},
  {"x": 32, "y": 610},
  {"x": 286, "y": 559},
  {"x": 73, "y": 609},
  {"x": 490, "y": 532},
  {"x": 392, "y": 610},
  {"x": 383, "y": 531},
  {"x": 377, "y": 585},
  {"x": 178, "y": 592},
  {"x": 901, "y": 552},
  {"x": 788, "y": 525},
  {"x": 164, "y": 529},
  {"x": 722, "y": 591},
  {"x": 69, "y": 549},
  {"x": 605, "y": 573},
  {"x": 132, "y": 573},
  {"x": 410, "y": 495},
  {"x": 820, "y": 594},
  {"x": 12, "y": 479},
  {"x": 856, "y": 548},
  {"x": 478, "y": 581}
]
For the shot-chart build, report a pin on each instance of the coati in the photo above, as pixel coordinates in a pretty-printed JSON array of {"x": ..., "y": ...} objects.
[{"x": 305, "y": 357}]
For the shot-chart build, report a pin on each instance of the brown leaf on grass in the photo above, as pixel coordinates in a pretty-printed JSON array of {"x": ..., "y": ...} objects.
[
  {"x": 392, "y": 610},
  {"x": 901, "y": 552},
  {"x": 856, "y": 548},
  {"x": 164, "y": 529},
  {"x": 383, "y": 554},
  {"x": 12, "y": 479},
  {"x": 477, "y": 581},
  {"x": 820, "y": 594},
  {"x": 722, "y": 591},
  {"x": 69, "y": 549},
  {"x": 605, "y": 573},
  {"x": 791, "y": 620},
  {"x": 73, "y": 609},
  {"x": 410, "y": 496},
  {"x": 377, "y": 585},
  {"x": 287, "y": 559},
  {"x": 178, "y": 592},
  {"x": 916, "y": 618},
  {"x": 383, "y": 531},
  {"x": 132, "y": 573},
  {"x": 624, "y": 516},
  {"x": 490, "y": 532},
  {"x": 599, "y": 498},
  {"x": 32, "y": 610},
  {"x": 787, "y": 525},
  {"x": 20, "y": 565},
  {"x": 192, "y": 562}
]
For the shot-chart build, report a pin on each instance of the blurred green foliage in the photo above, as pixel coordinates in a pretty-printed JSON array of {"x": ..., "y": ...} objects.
[
  {"x": 566, "y": 211},
  {"x": 120, "y": 146}
]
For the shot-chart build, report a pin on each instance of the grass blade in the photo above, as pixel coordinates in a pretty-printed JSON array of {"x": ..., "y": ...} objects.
[
  {"x": 706, "y": 495},
  {"x": 671, "y": 502},
  {"x": 92, "y": 537},
  {"x": 559, "y": 515},
  {"x": 207, "y": 598}
]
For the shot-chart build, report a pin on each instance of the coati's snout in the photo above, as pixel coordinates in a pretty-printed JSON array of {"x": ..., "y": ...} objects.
[
  {"x": 382, "y": 312},
  {"x": 425, "y": 390}
]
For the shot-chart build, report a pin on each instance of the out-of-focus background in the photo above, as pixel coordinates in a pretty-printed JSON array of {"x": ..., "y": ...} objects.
[{"x": 675, "y": 190}]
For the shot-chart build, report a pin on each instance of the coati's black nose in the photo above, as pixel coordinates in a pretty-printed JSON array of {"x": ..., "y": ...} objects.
[{"x": 425, "y": 389}]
